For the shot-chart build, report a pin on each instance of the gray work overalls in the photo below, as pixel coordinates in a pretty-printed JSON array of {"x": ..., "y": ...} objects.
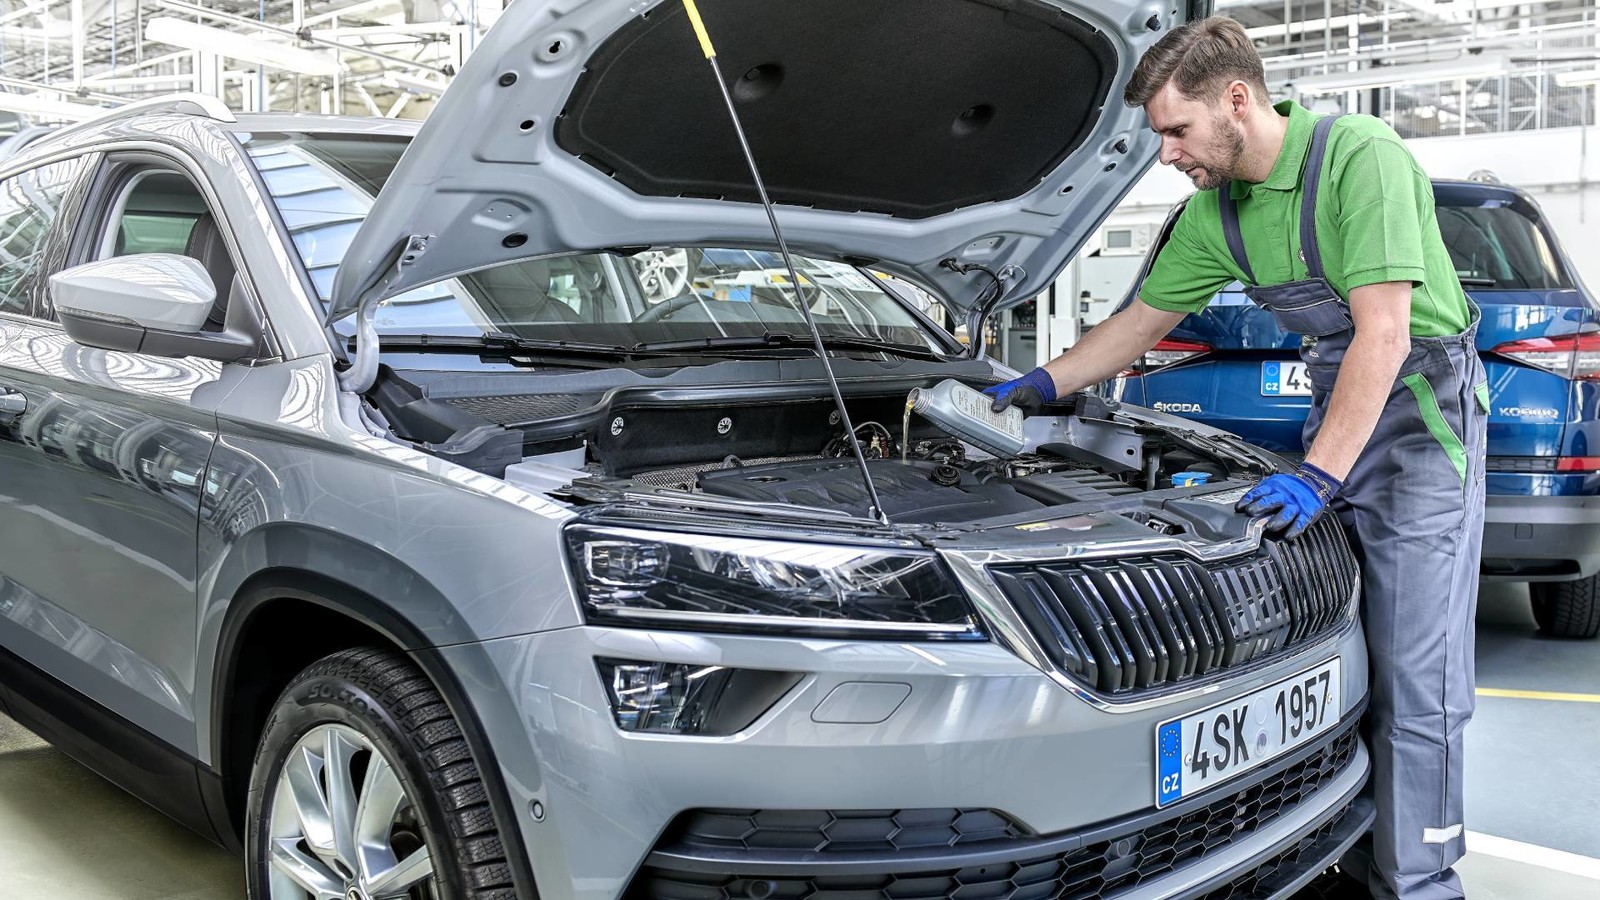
[{"x": 1413, "y": 507}]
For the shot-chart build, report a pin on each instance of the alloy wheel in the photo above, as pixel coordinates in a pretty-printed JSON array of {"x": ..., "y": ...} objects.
[{"x": 342, "y": 826}]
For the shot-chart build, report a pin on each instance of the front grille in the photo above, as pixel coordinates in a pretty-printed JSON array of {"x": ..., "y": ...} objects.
[
  {"x": 836, "y": 831},
  {"x": 1269, "y": 878},
  {"x": 1133, "y": 624},
  {"x": 1103, "y": 864}
]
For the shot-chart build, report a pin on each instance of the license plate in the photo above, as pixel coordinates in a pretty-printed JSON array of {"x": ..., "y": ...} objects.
[
  {"x": 1284, "y": 379},
  {"x": 1204, "y": 749}
]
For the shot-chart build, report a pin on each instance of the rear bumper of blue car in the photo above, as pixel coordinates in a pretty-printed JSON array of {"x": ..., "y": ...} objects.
[{"x": 1541, "y": 538}]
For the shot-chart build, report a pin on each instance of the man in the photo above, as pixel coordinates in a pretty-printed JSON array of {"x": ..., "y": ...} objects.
[{"x": 1334, "y": 232}]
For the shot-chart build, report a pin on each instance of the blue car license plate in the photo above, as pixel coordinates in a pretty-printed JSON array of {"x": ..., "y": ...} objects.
[{"x": 1284, "y": 379}]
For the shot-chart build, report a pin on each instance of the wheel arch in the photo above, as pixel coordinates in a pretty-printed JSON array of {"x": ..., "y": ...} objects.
[{"x": 285, "y": 615}]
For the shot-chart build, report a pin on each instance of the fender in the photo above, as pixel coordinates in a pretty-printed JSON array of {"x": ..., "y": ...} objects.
[
  {"x": 413, "y": 614},
  {"x": 290, "y": 560}
]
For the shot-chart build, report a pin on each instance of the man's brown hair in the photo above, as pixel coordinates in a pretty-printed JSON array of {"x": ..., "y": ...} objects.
[{"x": 1199, "y": 58}]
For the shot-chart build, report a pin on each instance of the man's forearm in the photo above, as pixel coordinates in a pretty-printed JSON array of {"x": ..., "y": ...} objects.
[
  {"x": 1110, "y": 347},
  {"x": 1366, "y": 378}
]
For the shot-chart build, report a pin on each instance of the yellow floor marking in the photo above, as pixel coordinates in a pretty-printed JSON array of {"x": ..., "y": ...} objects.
[{"x": 1539, "y": 695}]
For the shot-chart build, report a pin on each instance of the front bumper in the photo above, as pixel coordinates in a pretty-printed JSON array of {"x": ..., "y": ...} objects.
[
  {"x": 1540, "y": 538},
  {"x": 1274, "y": 874},
  {"x": 980, "y": 730},
  {"x": 1191, "y": 849}
]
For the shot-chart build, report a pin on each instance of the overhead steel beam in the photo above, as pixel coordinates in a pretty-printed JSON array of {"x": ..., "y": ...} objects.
[
  {"x": 62, "y": 89},
  {"x": 353, "y": 10},
  {"x": 215, "y": 15},
  {"x": 180, "y": 78},
  {"x": 161, "y": 60}
]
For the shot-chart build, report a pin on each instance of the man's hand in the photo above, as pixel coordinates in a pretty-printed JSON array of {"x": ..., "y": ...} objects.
[
  {"x": 1294, "y": 500},
  {"x": 1029, "y": 393}
]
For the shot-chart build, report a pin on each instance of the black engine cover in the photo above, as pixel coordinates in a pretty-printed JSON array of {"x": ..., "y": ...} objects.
[{"x": 907, "y": 490}]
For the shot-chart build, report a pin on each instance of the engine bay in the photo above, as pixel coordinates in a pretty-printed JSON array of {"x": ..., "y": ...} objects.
[{"x": 785, "y": 445}]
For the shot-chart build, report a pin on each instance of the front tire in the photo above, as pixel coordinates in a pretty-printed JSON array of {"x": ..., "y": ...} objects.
[
  {"x": 363, "y": 786},
  {"x": 1567, "y": 609}
]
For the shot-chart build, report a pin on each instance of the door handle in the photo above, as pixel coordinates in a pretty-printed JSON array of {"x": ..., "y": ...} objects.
[{"x": 12, "y": 405}]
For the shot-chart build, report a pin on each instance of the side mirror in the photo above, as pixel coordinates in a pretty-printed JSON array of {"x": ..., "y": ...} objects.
[{"x": 152, "y": 303}]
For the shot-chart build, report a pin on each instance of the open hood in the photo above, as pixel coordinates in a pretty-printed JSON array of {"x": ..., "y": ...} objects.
[{"x": 895, "y": 133}]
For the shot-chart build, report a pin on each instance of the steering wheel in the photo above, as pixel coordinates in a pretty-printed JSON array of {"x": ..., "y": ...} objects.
[{"x": 666, "y": 309}]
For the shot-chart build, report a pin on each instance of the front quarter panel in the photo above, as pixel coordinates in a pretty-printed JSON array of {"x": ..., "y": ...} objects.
[{"x": 455, "y": 556}]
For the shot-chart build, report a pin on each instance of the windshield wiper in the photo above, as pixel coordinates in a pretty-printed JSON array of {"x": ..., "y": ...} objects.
[
  {"x": 499, "y": 342},
  {"x": 1470, "y": 281},
  {"x": 786, "y": 341}
]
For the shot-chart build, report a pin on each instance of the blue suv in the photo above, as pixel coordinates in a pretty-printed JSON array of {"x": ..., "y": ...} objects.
[{"x": 1230, "y": 366}]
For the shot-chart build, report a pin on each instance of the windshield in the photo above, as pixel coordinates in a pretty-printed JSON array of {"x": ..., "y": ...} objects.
[
  {"x": 1497, "y": 244},
  {"x": 323, "y": 185}
]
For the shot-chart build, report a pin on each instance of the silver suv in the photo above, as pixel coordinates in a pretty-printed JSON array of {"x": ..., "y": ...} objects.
[{"x": 463, "y": 512}]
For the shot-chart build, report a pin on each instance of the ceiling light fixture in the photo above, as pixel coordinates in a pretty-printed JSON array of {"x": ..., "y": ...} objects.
[
  {"x": 236, "y": 45},
  {"x": 1483, "y": 65}
]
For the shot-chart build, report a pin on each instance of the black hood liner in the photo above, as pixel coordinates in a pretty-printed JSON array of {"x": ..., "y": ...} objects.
[{"x": 906, "y": 107}]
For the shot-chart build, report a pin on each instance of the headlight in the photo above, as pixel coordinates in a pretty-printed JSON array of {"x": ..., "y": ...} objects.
[{"x": 713, "y": 583}]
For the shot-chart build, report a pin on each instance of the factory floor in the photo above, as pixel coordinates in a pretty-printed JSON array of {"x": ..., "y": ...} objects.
[{"x": 1533, "y": 788}]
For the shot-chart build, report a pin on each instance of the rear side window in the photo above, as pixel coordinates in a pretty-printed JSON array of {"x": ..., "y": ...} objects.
[
  {"x": 1498, "y": 246},
  {"x": 30, "y": 204}
]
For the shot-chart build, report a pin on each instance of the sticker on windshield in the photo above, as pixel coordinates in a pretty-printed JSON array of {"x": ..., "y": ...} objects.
[{"x": 846, "y": 276}]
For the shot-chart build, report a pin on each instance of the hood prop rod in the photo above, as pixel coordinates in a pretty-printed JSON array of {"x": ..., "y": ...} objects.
[{"x": 876, "y": 509}]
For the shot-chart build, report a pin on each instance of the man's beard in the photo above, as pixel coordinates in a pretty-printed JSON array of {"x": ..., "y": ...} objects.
[{"x": 1222, "y": 156}]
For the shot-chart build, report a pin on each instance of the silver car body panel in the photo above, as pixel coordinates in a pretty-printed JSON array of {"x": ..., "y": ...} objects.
[
  {"x": 103, "y": 479},
  {"x": 475, "y": 175},
  {"x": 298, "y": 489}
]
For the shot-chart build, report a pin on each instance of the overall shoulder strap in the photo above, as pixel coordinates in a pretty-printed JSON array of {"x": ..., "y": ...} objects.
[
  {"x": 1309, "y": 251},
  {"x": 1230, "y": 229}
]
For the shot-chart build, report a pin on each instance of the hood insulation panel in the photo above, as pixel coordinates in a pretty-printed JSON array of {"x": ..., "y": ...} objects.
[{"x": 906, "y": 107}]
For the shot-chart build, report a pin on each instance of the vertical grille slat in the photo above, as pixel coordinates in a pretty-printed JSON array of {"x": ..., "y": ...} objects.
[
  {"x": 1316, "y": 556},
  {"x": 1099, "y": 630},
  {"x": 1150, "y": 657},
  {"x": 1169, "y": 618},
  {"x": 1195, "y": 601},
  {"x": 1060, "y": 638},
  {"x": 1133, "y": 624},
  {"x": 1233, "y": 614},
  {"x": 1320, "y": 555},
  {"x": 1304, "y": 604}
]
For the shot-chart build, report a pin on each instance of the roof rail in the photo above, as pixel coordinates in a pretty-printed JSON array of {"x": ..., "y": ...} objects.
[{"x": 189, "y": 104}]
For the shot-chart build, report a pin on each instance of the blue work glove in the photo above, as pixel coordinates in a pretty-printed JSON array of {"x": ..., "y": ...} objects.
[
  {"x": 1294, "y": 501},
  {"x": 1029, "y": 393}
]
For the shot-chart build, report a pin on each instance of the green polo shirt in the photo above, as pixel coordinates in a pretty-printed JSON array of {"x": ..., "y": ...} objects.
[{"x": 1375, "y": 223}]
